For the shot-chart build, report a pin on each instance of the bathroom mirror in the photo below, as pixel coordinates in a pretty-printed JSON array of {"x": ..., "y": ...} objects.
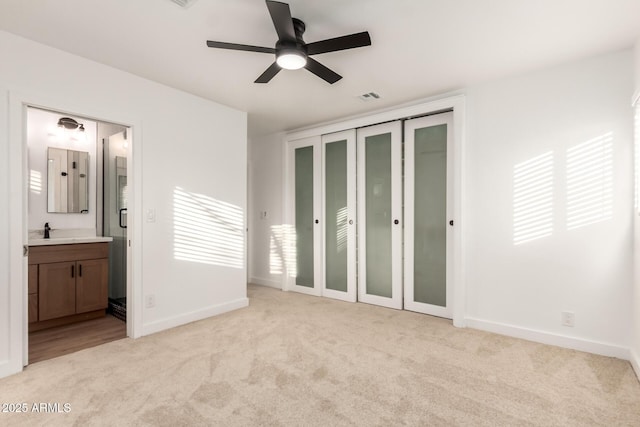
[{"x": 67, "y": 181}]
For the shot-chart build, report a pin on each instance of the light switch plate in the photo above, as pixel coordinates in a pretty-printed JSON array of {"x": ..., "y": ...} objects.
[{"x": 150, "y": 214}]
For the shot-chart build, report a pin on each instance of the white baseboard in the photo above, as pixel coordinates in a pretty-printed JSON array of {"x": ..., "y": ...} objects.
[
  {"x": 172, "y": 322},
  {"x": 266, "y": 282},
  {"x": 635, "y": 362},
  {"x": 8, "y": 368},
  {"x": 580, "y": 344}
]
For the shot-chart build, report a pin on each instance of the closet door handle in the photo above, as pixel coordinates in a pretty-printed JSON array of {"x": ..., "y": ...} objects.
[
  {"x": 396, "y": 222},
  {"x": 80, "y": 270},
  {"x": 317, "y": 221},
  {"x": 73, "y": 271}
]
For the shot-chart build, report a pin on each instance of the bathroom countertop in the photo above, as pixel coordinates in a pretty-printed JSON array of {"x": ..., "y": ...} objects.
[{"x": 69, "y": 240}]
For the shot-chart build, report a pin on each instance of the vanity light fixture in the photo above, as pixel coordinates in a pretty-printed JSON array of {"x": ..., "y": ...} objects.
[{"x": 69, "y": 123}]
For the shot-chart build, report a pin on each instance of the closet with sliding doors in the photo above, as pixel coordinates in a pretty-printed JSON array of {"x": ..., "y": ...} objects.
[{"x": 371, "y": 212}]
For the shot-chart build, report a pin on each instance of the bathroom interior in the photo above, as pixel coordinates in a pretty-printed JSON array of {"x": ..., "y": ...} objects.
[{"x": 77, "y": 220}]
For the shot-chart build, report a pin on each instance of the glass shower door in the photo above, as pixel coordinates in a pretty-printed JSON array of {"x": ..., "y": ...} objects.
[
  {"x": 115, "y": 219},
  {"x": 428, "y": 184},
  {"x": 379, "y": 215}
]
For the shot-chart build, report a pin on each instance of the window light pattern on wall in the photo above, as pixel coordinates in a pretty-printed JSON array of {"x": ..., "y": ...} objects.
[
  {"x": 282, "y": 249},
  {"x": 533, "y": 199},
  {"x": 35, "y": 181},
  {"x": 207, "y": 230},
  {"x": 590, "y": 182}
]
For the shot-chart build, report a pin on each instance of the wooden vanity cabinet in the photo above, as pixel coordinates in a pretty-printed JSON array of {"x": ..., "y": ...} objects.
[
  {"x": 33, "y": 293},
  {"x": 69, "y": 283}
]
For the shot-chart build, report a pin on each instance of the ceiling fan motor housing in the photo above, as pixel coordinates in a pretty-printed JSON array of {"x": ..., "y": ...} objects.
[{"x": 296, "y": 47}]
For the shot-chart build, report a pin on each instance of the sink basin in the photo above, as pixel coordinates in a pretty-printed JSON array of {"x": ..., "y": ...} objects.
[{"x": 69, "y": 240}]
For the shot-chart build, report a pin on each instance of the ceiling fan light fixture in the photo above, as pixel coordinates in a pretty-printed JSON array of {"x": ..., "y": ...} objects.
[{"x": 291, "y": 59}]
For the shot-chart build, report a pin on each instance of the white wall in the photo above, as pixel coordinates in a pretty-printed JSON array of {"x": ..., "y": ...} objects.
[
  {"x": 179, "y": 141},
  {"x": 40, "y": 136},
  {"x": 635, "y": 344},
  {"x": 522, "y": 290},
  {"x": 265, "y": 193}
]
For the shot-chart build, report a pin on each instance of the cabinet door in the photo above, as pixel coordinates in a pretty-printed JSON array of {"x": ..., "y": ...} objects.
[
  {"x": 92, "y": 285},
  {"x": 57, "y": 290}
]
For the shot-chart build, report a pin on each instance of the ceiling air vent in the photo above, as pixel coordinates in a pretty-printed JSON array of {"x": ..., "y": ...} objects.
[
  {"x": 184, "y": 3},
  {"x": 369, "y": 96}
]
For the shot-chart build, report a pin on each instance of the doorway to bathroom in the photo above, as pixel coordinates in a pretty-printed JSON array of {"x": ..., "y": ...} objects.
[{"x": 78, "y": 240}]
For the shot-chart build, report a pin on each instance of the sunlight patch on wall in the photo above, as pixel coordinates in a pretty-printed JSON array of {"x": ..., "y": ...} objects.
[
  {"x": 590, "y": 182},
  {"x": 533, "y": 199},
  {"x": 35, "y": 181},
  {"x": 207, "y": 230},
  {"x": 282, "y": 251},
  {"x": 276, "y": 258}
]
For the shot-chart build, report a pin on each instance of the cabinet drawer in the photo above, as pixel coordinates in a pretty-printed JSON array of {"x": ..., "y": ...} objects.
[{"x": 59, "y": 253}]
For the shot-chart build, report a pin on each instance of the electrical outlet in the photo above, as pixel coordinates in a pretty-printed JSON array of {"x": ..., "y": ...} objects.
[
  {"x": 150, "y": 301},
  {"x": 568, "y": 319}
]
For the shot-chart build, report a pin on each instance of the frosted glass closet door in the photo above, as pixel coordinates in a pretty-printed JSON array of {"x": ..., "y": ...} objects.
[
  {"x": 379, "y": 215},
  {"x": 339, "y": 180},
  {"x": 304, "y": 270},
  {"x": 428, "y": 184}
]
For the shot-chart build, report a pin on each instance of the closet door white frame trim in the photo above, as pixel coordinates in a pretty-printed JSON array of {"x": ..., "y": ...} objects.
[
  {"x": 455, "y": 103},
  {"x": 350, "y": 137},
  {"x": 395, "y": 129},
  {"x": 289, "y": 233},
  {"x": 410, "y": 127}
]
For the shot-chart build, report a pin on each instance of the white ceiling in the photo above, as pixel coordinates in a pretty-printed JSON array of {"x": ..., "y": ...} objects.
[{"x": 419, "y": 48}]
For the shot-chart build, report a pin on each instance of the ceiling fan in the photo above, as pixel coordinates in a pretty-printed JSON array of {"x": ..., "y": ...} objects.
[{"x": 291, "y": 51}]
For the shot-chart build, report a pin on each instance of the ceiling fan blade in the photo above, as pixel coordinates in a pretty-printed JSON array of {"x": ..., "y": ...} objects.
[
  {"x": 245, "y": 47},
  {"x": 268, "y": 74},
  {"x": 321, "y": 71},
  {"x": 339, "y": 43},
  {"x": 281, "y": 16}
]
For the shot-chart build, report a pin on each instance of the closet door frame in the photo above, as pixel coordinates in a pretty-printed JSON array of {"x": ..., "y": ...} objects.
[
  {"x": 350, "y": 137},
  {"x": 290, "y": 233},
  {"x": 396, "y": 299},
  {"x": 454, "y": 103},
  {"x": 409, "y": 214}
]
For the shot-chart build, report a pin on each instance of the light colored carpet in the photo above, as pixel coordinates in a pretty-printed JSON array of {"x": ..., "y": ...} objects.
[{"x": 291, "y": 359}]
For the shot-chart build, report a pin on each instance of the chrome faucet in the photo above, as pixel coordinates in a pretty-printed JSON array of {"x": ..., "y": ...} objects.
[{"x": 46, "y": 230}]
